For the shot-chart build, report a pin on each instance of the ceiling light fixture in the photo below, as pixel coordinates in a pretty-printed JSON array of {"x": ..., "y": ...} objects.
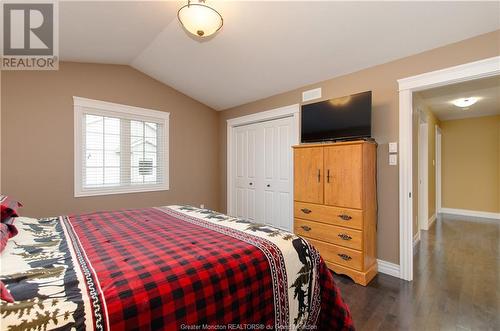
[
  {"x": 199, "y": 19},
  {"x": 465, "y": 102}
]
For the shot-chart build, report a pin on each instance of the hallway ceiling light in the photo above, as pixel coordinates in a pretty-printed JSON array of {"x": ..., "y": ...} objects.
[
  {"x": 199, "y": 19},
  {"x": 465, "y": 102}
]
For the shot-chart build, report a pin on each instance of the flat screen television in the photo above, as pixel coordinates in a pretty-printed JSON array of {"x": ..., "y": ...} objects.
[{"x": 344, "y": 118}]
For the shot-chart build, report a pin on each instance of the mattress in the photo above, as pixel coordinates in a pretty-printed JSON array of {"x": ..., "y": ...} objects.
[{"x": 166, "y": 268}]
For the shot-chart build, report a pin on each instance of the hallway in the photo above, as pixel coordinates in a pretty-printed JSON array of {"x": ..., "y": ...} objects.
[{"x": 456, "y": 283}]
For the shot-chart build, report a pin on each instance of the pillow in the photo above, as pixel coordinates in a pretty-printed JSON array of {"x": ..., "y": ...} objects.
[
  {"x": 5, "y": 294},
  {"x": 10, "y": 226},
  {"x": 4, "y": 236},
  {"x": 8, "y": 207}
]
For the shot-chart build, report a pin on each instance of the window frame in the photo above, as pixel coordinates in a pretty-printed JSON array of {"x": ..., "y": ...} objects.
[{"x": 83, "y": 106}]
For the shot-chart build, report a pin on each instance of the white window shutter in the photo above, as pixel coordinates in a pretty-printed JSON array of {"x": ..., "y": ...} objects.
[{"x": 119, "y": 148}]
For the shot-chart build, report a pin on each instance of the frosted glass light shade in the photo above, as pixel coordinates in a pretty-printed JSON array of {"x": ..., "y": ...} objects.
[
  {"x": 200, "y": 19},
  {"x": 465, "y": 102}
]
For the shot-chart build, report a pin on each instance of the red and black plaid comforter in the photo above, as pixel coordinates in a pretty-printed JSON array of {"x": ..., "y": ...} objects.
[{"x": 184, "y": 268}]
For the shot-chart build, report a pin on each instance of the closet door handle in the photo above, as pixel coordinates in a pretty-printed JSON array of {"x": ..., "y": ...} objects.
[
  {"x": 328, "y": 176},
  {"x": 319, "y": 175}
]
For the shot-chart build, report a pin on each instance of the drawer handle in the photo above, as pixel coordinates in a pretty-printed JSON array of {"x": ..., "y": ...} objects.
[
  {"x": 344, "y": 217},
  {"x": 345, "y": 257},
  {"x": 344, "y": 236},
  {"x": 306, "y": 228},
  {"x": 306, "y": 211}
]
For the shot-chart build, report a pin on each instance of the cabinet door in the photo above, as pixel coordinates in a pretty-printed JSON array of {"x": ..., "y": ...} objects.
[
  {"x": 343, "y": 176},
  {"x": 308, "y": 174}
]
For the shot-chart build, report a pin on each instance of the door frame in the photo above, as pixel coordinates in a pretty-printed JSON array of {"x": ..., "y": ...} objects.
[
  {"x": 407, "y": 86},
  {"x": 423, "y": 172},
  {"x": 439, "y": 137},
  {"x": 264, "y": 116}
]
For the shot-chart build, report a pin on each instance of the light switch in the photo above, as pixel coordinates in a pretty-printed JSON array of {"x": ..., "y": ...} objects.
[
  {"x": 393, "y": 147},
  {"x": 393, "y": 159}
]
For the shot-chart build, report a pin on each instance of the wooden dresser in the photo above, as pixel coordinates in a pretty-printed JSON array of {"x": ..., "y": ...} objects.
[{"x": 335, "y": 204}]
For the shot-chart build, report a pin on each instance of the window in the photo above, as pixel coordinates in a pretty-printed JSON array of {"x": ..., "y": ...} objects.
[{"x": 119, "y": 149}]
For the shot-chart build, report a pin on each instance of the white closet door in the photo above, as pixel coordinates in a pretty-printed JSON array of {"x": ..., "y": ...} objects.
[
  {"x": 277, "y": 172},
  {"x": 245, "y": 171},
  {"x": 262, "y": 170}
]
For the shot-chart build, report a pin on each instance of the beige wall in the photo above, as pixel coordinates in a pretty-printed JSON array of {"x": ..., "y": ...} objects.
[
  {"x": 432, "y": 121},
  {"x": 37, "y": 138},
  {"x": 470, "y": 164},
  {"x": 382, "y": 80}
]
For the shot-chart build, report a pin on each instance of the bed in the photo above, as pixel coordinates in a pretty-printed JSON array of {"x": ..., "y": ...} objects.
[{"x": 166, "y": 268}]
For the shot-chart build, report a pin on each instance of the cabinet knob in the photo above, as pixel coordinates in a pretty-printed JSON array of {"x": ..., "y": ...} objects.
[
  {"x": 306, "y": 211},
  {"x": 345, "y": 257},
  {"x": 344, "y": 217},
  {"x": 306, "y": 228},
  {"x": 344, "y": 236},
  {"x": 250, "y": 184},
  {"x": 268, "y": 185}
]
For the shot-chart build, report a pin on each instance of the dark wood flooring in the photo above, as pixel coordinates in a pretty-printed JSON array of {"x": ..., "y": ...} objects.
[{"x": 456, "y": 283}]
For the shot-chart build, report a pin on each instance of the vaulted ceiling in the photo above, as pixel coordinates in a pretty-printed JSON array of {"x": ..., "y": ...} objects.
[{"x": 264, "y": 48}]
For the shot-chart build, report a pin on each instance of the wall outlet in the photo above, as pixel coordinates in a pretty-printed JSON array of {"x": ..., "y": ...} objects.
[
  {"x": 202, "y": 206},
  {"x": 393, "y": 147},
  {"x": 393, "y": 159}
]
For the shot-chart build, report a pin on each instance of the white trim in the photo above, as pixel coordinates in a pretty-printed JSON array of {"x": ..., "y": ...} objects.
[
  {"x": 90, "y": 106},
  {"x": 388, "y": 268},
  {"x": 439, "y": 136},
  {"x": 263, "y": 116},
  {"x": 119, "y": 108},
  {"x": 423, "y": 173},
  {"x": 471, "y": 213},
  {"x": 461, "y": 73},
  {"x": 416, "y": 239},
  {"x": 282, "y": 112},
  {"x": 470, "y": 71},
  {"x": 405, "y": 186},
  {"x": 431, "y": 221}
]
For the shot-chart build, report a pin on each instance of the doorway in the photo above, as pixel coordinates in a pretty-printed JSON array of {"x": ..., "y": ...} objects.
[{"x": 407, "y": 86}]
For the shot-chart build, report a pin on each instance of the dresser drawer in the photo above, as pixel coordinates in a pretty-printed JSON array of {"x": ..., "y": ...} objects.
[
  {"x": 330, "y": 215},
  {"x": 330, "y": 233},
  {"x": 339, "y": 255}
]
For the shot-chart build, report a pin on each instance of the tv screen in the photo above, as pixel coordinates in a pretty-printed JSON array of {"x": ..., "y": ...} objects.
[{"x": 348, "y": 117}]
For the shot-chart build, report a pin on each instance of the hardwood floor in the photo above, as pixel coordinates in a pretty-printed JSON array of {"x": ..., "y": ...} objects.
[{"x": 456, "y": 283}]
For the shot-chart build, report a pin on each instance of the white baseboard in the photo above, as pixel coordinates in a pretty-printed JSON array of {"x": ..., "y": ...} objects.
[
  {"x": 431, "y": 220},
  {"x": 471, "y": 213},
  {"x": 416, "y": 238},
  {"x": 388, "y": 268}
]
